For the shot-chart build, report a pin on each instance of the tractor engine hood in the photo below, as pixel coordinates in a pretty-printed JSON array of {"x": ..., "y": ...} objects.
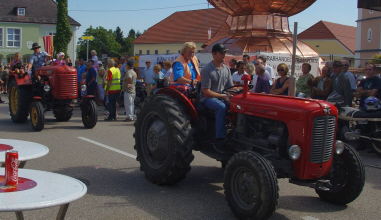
[{"x": 274, "y": 106}]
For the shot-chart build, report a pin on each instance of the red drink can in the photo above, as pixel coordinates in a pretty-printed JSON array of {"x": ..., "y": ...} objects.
[{"x": 11, "y": 168}]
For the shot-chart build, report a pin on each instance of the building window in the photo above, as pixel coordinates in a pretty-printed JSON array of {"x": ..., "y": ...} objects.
[
  {"x": 13, "y": 37},
  {"x": 20, "y": 11},
  {"x": 168, "y": 51},
  {"x": 1, "y": 37},
  {"x": 140, "y": 52},
  {"x": 370, "y": 35},
  {"x": 156, "y": 51},
  {"x": 148, "y": 52}
]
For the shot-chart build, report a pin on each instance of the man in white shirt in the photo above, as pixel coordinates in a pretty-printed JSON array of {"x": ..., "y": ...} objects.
[{"x": 237, "y": 76}]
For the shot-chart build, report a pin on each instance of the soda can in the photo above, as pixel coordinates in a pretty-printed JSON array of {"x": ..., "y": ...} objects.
[{"x": 11, "y": 168}]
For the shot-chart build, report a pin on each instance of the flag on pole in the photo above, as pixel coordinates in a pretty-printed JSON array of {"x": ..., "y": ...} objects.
[{"x": 48, "y": 44}]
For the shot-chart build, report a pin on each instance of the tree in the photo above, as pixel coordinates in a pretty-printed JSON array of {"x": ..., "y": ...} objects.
[
  {"x": 119, "y": 35},
  {"x": 104, "y": 42},
  {"x": 132, "y": 34},
  {"x": 108, "y": 42},
  {"x": 63, "y": 29}
]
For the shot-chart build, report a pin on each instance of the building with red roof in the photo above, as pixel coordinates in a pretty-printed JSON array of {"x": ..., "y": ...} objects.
[
  {"x": 331, "y": 40},
  {"x": 168, "y": 36}
]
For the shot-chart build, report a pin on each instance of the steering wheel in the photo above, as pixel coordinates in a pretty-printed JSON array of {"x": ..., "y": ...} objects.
[{"x": 233, "y": 91}]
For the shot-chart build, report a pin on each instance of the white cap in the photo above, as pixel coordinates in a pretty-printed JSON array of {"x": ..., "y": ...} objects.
[{"x": 60, "y": 54}]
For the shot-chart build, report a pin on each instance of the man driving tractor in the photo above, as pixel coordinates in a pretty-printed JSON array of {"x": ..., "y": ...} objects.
[
  {"x": 215, "y": 78},
  {"x": 38, "y": 58}
]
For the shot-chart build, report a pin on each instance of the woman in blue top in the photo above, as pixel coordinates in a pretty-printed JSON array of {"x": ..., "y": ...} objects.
[{"x": 280, "y": 87}]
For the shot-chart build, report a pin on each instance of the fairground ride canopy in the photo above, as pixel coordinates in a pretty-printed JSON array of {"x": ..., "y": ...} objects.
[{"x": 259, "y": 26}]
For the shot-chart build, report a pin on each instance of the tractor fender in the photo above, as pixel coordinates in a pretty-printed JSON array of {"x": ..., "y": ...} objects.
[{"x": 174, "y": 93}]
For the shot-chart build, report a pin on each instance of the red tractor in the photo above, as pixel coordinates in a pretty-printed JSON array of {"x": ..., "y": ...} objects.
[
  {"x": 269, "y": 137},
  {"x": 55, "y": 88}
]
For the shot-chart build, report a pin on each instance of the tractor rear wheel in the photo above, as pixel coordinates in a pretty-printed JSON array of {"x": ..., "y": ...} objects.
[
  {"x": 346, "y": 179},
  {"x": 251, "y": 186},
  {"x": 89, "y": 113},
  {"x": 37, "y": 117},
  {"x": 19, "y": 100},
  {"x": 163, "y": 137}
]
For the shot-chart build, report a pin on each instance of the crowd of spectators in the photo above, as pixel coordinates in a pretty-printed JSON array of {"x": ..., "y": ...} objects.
[{"x": 335, "y": 83}]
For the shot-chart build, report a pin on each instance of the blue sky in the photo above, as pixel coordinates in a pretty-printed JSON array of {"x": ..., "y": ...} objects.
[{"x": 113, "y": 13}]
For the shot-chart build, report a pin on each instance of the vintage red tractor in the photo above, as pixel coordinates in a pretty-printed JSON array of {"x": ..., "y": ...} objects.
[
  {"x": 269, "y": 137},
  {"x": 54, "y": 88}
]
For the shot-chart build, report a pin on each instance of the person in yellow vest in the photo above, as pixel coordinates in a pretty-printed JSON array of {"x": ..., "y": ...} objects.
[
  {"x": 112, "y": 89},
  {"x": 186, "y": 66}
]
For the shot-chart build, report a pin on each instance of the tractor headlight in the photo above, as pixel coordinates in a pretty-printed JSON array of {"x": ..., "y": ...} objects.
[
  {"x": 340, "y": 146},
  {"x": 46, "y": 88},
  {"x": 83, "y": 88},
  {"x": 294, "y": 152}
]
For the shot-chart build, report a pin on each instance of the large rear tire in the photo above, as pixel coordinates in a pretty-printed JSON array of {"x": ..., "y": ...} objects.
[
  {"x": 89, "y": 113},
  {"x": 164, "y": 141},
  {"x": 251, "y": 186},
  {"x": 37, "y": 117},
  {"x": 19, "y": 101},
  {"x": 346, "y": 179}
]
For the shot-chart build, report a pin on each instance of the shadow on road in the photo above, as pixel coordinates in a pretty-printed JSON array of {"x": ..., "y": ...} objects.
[
  {"x": 6, "y": 125},
  {"x": 308, "y": 204},
  {"x": 199, "y": 196}
]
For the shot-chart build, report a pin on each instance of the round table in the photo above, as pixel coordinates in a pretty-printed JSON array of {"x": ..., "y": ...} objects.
[
  {"x": 27, "y": 150},
  {"x": 52, "y": 189}
]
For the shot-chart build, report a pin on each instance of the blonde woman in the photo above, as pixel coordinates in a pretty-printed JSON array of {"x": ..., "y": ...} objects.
[
  {"x": 280, "y": 87},
  {"x": 186, "y": 67}
]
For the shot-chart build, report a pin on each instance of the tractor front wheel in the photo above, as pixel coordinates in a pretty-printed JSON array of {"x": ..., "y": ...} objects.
[
  {"x": 89, "y": 113},
  {"x": 37, "y": 117},
  {"x": 346, "y": 179},
  {"x": 251, "y": 186},
  {"x": 163, "y": 137}
]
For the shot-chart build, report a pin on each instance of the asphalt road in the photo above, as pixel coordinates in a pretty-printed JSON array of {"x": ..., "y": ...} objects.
[{"x": 103, "y": 158}]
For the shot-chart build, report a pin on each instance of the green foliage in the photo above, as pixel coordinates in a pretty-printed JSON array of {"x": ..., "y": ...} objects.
[
  {"x": 109, "y": 42},
  {"x": 104, "y": 42},
  {"x": 63, "y": 29},
  {"x": 119, "y": 36}
]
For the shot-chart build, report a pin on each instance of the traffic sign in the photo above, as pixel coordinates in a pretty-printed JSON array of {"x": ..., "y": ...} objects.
[{"x": 87, "y": 37}]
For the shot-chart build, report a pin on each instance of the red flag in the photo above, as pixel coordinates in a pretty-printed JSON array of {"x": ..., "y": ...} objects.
[{"x": 48, "y": 44}]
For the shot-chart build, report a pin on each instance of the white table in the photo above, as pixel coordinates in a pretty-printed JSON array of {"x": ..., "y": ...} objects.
[
  {"x": 52, "y": 189},
  {"x": 27, "y": 150}
]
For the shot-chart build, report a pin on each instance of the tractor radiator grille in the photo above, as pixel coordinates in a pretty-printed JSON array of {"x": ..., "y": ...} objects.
[
  {"x": 65, "y": 86},
  {"x": 323, "y": 136}
]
